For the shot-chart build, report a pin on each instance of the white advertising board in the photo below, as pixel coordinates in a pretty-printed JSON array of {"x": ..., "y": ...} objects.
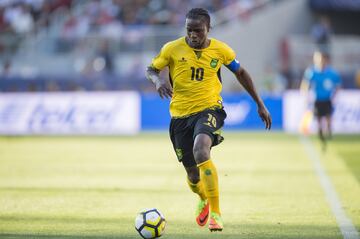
[
  {"x": 346, "y": 115},
  {"x": 87, "y": 113}
]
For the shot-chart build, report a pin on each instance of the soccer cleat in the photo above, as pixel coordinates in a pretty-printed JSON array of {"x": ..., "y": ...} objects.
[
  {"x": 202, "y": 212},
  {"x": 216, "y": 223}
]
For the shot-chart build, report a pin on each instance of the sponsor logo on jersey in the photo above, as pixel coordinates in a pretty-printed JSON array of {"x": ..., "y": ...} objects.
[{"x": 182, "y": 60}]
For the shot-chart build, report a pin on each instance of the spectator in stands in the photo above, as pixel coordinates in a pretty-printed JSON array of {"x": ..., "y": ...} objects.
[
  {"x": 3, "y": 23},
  {"x": 20, "y": 18},
  {"x": 321, "y": 33},
  {"x": 106, "y": 56},
  {"x": 69, "y": 23}
]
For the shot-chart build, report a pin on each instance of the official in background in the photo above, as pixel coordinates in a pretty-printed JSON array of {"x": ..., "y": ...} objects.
[{"x": 322, "y": 81}]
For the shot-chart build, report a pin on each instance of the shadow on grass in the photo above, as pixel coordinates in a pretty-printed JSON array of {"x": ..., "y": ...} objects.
[
  {"x": 34, "y": 236},
  {"x": 103, "y": 228}
]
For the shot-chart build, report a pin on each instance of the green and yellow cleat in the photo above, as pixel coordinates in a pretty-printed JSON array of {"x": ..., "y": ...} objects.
[
  {"x": 202, "y": 212},
  {"x": 216, "y": 223}
]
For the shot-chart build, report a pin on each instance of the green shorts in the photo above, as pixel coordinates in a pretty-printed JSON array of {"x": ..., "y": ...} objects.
[{"x": 184, "y": 130}]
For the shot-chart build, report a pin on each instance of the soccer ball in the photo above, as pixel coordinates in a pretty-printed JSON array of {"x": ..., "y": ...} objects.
[{"x": 150, "y": 223}]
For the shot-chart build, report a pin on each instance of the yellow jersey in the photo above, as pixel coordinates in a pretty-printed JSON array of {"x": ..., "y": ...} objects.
[{"x": 194, "y": 74}]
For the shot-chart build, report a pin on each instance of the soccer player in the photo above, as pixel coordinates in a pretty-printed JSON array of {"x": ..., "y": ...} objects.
[
  {"x": 323, "y": 81},
  {"x": 197, "y": 114}
]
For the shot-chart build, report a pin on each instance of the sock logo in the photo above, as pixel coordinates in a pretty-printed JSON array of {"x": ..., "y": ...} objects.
[{"x": 207, "y": 172}]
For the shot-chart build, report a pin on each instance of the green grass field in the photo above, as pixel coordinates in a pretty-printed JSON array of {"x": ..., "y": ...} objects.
[{"x": 60, "y": 187}]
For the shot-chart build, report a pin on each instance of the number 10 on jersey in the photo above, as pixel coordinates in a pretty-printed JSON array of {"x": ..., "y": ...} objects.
[{"x": 197, "y": 73}]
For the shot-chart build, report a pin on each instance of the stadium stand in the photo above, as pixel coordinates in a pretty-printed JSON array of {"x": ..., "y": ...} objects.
[{"x": 67, "y": 45}]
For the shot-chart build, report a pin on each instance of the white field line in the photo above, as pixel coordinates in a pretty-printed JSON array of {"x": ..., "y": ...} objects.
[{"x": 345, "y": 224}]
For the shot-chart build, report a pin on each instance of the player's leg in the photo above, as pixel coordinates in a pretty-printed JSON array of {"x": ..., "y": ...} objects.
[
  {"x": 328, "y": 117},
  {"x": 208, "y": 172},
  {"x": 206, "y": 135},
  {"x": 182, "y": 138},
  {"x": 193, "y": 179},
  {"x": 321, "y": 132},
  {"x": 329, "y": 127},
  {"x": 202, "y": 209},
  {"x": 320, "y": 128},
  {"x": 320, "y": 113},
  {"x": 209, "y": 178}
]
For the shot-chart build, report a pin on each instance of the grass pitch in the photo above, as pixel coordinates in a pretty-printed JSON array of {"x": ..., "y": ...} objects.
[{"x": 59, "y": 187}]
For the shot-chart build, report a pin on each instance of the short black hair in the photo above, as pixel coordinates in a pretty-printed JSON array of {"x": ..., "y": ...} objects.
[{"x": 201, "y": 14}]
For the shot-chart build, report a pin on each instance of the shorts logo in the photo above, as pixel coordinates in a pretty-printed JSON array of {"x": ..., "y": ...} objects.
[
  {"x": 179, "y": 153},
  {"x": 213, "y": 63}
]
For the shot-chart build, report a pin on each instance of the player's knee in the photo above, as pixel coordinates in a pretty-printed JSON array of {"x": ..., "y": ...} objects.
[
  {"x": 193, "y": 174},
  {"x": 194, "y": 178},
  {"x": 201, "y": 153}
]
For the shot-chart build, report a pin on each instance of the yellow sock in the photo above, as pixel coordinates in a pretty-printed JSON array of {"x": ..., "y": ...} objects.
[
  {"x": 209, "y": 177},
  {"x": 197, "y": 188}
]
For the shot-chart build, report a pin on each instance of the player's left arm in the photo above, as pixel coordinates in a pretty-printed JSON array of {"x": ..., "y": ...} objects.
[{"x": 245, "y": 80}]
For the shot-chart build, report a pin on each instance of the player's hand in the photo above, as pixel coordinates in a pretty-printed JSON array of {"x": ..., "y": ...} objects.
[
  {"x": 164, "y": 88},
  {"x": 265, "y": 116}
]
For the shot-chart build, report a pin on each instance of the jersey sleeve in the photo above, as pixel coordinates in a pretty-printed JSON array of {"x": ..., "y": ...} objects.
[
  {"x": 229, "y": 54},
  {"x": 162, "y": 59},
  {"x": 230, "y": 60}
]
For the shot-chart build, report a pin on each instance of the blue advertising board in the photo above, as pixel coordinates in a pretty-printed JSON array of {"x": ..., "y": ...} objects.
[
  {"x": 155, "y": 113},
  {"x": 240, "y": 108},
  {"x": 242, "y": 112}
]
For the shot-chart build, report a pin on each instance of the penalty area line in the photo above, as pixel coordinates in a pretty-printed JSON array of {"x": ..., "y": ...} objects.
[{"x": 345, "y": 224}]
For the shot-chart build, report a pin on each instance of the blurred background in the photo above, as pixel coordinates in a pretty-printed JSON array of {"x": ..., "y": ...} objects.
[{"x": 77, "y": 67}]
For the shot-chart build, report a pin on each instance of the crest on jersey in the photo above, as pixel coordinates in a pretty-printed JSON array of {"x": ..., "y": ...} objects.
[{"x": 213, "y": 63}]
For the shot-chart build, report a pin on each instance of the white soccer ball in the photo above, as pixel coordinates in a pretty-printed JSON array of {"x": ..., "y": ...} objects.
[{"x": 150, "y": 223}]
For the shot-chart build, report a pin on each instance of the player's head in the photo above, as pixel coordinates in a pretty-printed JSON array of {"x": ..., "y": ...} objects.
[
  {"x": 197, "y": 27},
  {"x": 320, "y": 59}
]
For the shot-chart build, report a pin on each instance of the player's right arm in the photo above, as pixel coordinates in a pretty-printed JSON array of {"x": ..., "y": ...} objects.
[
  {"x": 305, "y": 83},
  {"x": 163, "y": 86},
  {"x": 305, "y": 86}
]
